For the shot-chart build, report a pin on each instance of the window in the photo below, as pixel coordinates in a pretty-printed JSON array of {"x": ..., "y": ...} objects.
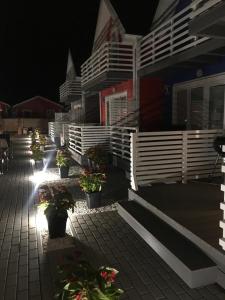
[
  {"x": 196, "y": 108},
  {"x": 216, "y": 106}
]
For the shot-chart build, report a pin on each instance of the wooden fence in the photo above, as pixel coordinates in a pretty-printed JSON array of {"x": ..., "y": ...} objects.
[
  {"x": 120, "y": 140},
  {"x": 172, "y": 156},
  {"x": 83, "y": 137}
]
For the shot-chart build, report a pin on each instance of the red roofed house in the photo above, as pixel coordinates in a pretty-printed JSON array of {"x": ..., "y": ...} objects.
[
  {"x": 4, "y": 109},
  {"x": 36, "y": 107}
]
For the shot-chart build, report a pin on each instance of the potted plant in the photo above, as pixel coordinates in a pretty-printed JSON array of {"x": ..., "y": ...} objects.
[
  {"x": 37, "y": 155},
  {"x": 81, "y": 281},
  {"x": 91, "y": 184},
  {"x": 55, "y": 204},
  {"x": 97, "y": 157},
  {"x": 63, "y": 162},
  {"x": 42, "y": 141}
]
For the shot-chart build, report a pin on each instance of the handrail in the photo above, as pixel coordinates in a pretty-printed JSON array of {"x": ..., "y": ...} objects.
[
  {"x": 172, "y": 36},
  {"x": 111, "y": 56}
]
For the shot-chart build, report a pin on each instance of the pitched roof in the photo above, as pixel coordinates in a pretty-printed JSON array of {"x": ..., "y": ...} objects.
[
  {"x": 4, "y": 103},
  {"x": 38, "y": 97},
  {"x": 136, "y": 16}
]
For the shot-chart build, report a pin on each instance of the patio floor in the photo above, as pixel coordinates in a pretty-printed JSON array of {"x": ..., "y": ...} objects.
[
  {"x": 28, "y": 273},
  {"x": 196, "y": 206}
]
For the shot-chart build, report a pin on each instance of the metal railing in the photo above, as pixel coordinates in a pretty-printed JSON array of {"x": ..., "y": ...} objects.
[
  {"x": 172, "y": 36},
  {"x": 111, "y": 56}
]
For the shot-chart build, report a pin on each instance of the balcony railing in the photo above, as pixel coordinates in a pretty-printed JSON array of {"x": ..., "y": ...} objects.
[
  {"x": 70, "y": 90},
  {"x": 173, "y": 36},
  {"x": 116, "y": 57}
]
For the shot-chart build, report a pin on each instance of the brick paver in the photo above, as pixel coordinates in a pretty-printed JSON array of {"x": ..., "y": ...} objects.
[{"x": 25, "y": 269}]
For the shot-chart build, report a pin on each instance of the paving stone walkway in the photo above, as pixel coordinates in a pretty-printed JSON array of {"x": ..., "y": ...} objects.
[{"x": 28, "y": 273}]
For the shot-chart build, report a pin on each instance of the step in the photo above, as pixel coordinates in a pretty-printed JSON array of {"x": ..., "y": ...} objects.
[
  {"x": 222, "y": 243},
  {"x": 184, "y": 257},
  {"x": 222, "y": 206}
]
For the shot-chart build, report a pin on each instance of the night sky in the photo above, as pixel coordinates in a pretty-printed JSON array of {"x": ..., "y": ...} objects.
[{"x": 35, "y": 37}]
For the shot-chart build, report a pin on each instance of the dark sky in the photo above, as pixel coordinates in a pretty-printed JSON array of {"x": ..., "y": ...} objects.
[{"x": 35, "y": 37}]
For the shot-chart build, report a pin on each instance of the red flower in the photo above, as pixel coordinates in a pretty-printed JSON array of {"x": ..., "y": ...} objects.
[
  {"x": 78, "y": 296},
  {"x": 104, "y": 275}
]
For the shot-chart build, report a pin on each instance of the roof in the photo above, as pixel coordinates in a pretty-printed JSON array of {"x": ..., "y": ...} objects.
[
  {"x": 135, "y": 16},
  {"x": 4, "y": 103},
  {"x": 38, "y": 97}
]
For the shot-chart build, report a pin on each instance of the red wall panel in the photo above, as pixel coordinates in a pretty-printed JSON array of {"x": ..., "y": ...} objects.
[{"x": 119, "y": 88}]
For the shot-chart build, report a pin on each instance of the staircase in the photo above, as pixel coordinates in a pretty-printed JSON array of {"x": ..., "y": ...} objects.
[{"x": 185, "y": 258}]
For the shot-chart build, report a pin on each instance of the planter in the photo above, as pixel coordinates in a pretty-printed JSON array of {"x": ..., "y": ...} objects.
[
  {"x": 39, "y": 164},
  {"x": 64, "y": 172},
  {"x": 57, "y": 142},
  {"x": 42, "y": 148},
  {"x": 56, "y": 224},
  {"x": 93, "y": 199}
]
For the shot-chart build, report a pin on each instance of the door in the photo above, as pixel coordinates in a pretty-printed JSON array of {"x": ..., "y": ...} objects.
[
  {"x": 196, "y": 108},
  {"x": 216, "y": 106}
]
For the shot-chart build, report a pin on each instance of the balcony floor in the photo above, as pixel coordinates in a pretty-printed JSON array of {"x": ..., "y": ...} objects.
[{"x": 27, "y": 272}]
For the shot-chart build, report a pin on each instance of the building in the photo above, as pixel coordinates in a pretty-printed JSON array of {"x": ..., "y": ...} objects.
[
  {"x": 70, "y": 92},
  {"x": 4, "y": 109},
  {"x": 108, "y": 76},
  {"x": 170, "y": 83},
  {"x": 36, "y": 107}
]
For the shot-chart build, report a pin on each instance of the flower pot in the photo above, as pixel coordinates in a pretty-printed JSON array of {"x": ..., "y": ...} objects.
[
  {"x": 64, "y": 172},
  {"x": 56, "y": 224},
  {"x": 57, "y": 141},
  {"x": 39, "y": 164},
  {"x": 93, "y": 199},
  {"x": 42, "y": 148}
]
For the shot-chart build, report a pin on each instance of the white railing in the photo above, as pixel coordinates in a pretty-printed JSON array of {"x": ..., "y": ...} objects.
[
  {"x": 114, "y": 138},
  {"x": 111, "y": 56},
  {"x": 55, "y": 129},
  {"x": 172, "y": 36},
  {"x": 83, "y": 137},
  {"x": 172, "y": 156},
  {"x": 121, "y": 141},
  {"x": 70, "y": 89}
]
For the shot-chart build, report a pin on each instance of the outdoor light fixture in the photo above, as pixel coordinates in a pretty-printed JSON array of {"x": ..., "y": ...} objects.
[{"x": 42, "y": 176}]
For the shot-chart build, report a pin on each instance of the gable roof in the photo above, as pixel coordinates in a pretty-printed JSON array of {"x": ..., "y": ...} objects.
[
  {"x": 131, "y": 18},
  {"x": 38, "y": 97},
  {"x": 70, "y": 71},
  {"x": 4, "y": 103}
]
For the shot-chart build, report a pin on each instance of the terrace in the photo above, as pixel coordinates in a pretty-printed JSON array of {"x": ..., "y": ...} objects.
[{"x": 28, "y": 270}]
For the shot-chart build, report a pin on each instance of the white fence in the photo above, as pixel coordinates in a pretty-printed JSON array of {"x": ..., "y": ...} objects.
[
  {"x": 83, "y": 137},
  {"x": 116, "y": 139},
  {"x": 121, "y": 141},
  {"x": 55, "y": 129},
  {"x": 111, "y": 56},
  {"x": 172, "y": 156},
  {"x": 172, "y": 36}
]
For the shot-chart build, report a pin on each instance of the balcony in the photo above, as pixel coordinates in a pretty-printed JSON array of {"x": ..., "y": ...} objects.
[
  {"x": 173, "y": 44},
  {"x": 208, "y": 19},
  {"x": 70, "y": 90},
  {"x": 112, "y": 63}
]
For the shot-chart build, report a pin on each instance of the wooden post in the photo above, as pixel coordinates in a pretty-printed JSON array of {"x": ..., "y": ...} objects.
[
  {"x": 184, "y": 157},
  {"x": 133, "y": 155}
]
